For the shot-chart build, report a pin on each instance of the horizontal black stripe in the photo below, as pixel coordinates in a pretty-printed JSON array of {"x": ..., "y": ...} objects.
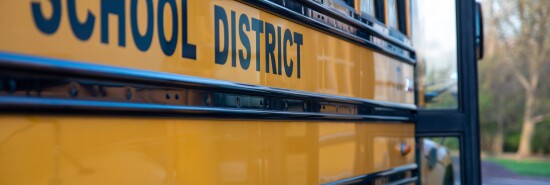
[
  {"x": 35, "y": 83},
  {"x": 395, "y": 176},
  {"x": 364, "y": 36},
  {"x": 43, "y": 105}
]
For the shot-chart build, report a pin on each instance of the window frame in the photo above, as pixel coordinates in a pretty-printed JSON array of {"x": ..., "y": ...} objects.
[
  {"x": 462, "y": 122},
  {"x": 402, "y": 16},
  {"x": 380, "y": 10},
  {"x": 359, "y": 6}
]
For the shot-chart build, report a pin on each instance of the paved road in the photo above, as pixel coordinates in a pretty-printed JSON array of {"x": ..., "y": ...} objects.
[{"x": 494, "y": 174}]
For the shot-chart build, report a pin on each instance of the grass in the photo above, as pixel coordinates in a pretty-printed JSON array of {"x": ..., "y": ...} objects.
[{"x": 528, "y": 167}]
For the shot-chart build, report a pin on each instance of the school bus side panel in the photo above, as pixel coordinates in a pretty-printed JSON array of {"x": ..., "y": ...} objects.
[
  {"x": 315, "y": 61},
  {"x": 95, "y": 150}
]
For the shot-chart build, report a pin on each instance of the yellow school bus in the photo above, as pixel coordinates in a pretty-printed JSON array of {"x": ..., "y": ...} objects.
[{"x": 209, "y": 92}]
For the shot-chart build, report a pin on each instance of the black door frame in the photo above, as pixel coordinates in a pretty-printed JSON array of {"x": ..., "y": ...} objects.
[{"x": 464, "y": 121}]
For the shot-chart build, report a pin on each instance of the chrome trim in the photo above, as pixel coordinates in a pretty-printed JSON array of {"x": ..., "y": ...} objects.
[
  {"x": 403, "y": 168},
  {"x": 383, "y": 176},
  {"x": 42, "y": 64},
  {"x": 405, "y": 181},
  {"x": 110, "y": 87},
  {"x": 41, "y": 106}
]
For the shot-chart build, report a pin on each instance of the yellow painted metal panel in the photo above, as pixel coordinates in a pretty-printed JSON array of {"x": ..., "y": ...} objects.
[
  {"x": 123, "y": 150},
  {"x": 327, "y": 64},
  {"x": 116, "y": 150},
  {"x": 394, "y": 80}
]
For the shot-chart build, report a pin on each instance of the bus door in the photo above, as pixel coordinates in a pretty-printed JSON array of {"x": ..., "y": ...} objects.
[{"x": 447, "y": 122}]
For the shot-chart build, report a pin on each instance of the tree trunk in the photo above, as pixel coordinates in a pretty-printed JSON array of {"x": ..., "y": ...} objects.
[
  {"x": 527, "y": 128},
  {"x": 525, "y": 141},
  {"x": 499, "y": 139}
]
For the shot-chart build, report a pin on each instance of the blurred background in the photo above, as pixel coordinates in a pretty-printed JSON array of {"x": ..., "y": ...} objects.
[
  {"x": 514, "y": 90},
  {"x": 514, "y": 86}
]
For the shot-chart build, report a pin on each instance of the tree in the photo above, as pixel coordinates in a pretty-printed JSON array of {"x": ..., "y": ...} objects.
[
  {"x": 499, "y": 94},
  {"x": 523, "y": 27},
  {"x": 499, "y": 99}
]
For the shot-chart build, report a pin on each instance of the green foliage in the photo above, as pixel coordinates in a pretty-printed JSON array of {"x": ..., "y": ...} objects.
[
  {"x": 539, "y": 168},
  {"x": 541, "y": 138},
  {"x": 500, "y": 103},
  {"x": 450, "y": 143},
  {"x": 513, "y": 71},
  {"x": 511, "y": 141},
  {"x": 445, "y": 100},
  {"x": 488, "y": 125}
]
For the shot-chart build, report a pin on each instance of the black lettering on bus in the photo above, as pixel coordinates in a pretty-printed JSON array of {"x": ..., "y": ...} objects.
[
  {"x": 279, "y": 61},
  {"x": 243, "y": 21},
  {"x": 82, "y": 31},
  {"x": 270, "y": 47},
  {"x": 288, "y": 67},
  {"x": 258, "y": 27},
  {"x": 47, "y": 26},
  {"x": 168, "y": 46},
  {"x": 117, "y": 8},
  {"x": 220, "y": 16},
  {"x": 298, "y": 40},
  {"x": 143, "y": 42},
  {"x": 233, "y": 40},
  {"x": 187, "y": 50}
]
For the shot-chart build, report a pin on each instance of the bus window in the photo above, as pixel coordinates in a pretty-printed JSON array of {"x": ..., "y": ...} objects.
[
  {"x": 439, "y": 160},
  {"x": 392, "y": 13},
  {"x": 367, "y": 7},
  {"x": 350, "y": 3},
  {"x": 402, "y": 16},
  {"x": 397, "y": 15},
  {"x": 435, "y": 38},
  {"x": 379, "y": 10}
]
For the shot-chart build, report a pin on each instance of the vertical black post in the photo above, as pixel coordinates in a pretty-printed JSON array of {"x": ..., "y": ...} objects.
[
  {"x": 467, "y": 67},
  {"x": 463, "y": 122}
]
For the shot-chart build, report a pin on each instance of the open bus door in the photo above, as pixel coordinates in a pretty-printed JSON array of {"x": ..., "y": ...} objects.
[{"x": 448, "y": 91}]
